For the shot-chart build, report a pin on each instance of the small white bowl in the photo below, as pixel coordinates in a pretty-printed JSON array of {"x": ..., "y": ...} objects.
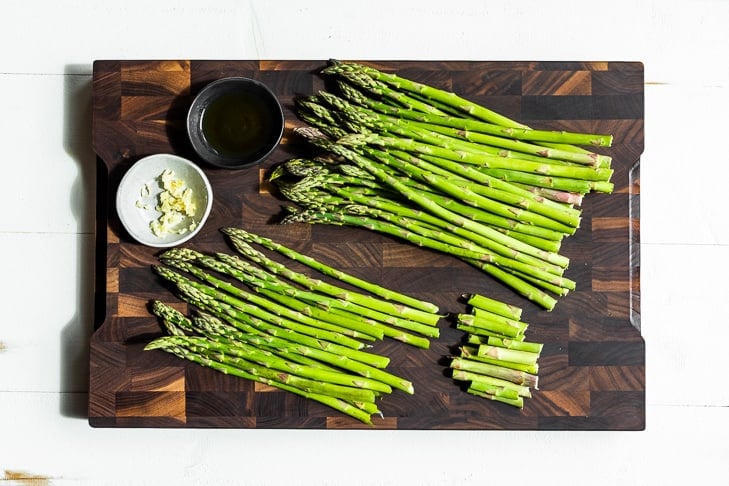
[{"x": 139, "y": 189}]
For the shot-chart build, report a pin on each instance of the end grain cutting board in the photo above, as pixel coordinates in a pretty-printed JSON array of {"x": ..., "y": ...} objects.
[{"x": 592, "y": 373}]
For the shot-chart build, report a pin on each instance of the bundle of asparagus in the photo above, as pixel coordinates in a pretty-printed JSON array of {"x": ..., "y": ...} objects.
[
  {"x": 496, "y": 361},
  {"x": 432, "y": 168},
  {"x": 286, "y": 329}
]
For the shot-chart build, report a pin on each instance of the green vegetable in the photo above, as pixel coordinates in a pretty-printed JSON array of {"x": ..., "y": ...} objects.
[
  {"x": 436, "y": 170},
  {"x": 498, "y": 364},
  {"x": 258, "y": 320}
]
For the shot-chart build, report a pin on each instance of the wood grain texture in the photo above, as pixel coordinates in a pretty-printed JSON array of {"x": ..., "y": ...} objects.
[{"x": 592, "y": 374}]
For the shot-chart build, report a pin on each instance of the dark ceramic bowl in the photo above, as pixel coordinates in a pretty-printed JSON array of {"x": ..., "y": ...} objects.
[{"x": 235, "y": 123}]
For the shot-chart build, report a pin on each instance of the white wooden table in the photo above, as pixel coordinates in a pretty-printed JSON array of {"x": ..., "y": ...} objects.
[{"x": 47, "y": 238}]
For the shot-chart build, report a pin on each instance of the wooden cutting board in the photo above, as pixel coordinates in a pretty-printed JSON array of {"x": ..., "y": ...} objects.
[{"x": 592, "y": 373}]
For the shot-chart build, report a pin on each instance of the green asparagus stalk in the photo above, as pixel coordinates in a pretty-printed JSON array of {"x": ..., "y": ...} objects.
[
  {"x": 528, "y": 197},
  {"x": 360, "y": 75},
  {"x": 340, "y": 293},
  {"x": 174, "y": 321},
  {"x": 332, "y": 272},
  {"x": 338, "y": 360},
  {"x": 519, "y": 285},
  {"x": 236, "y": 317},
  {"x": 304, "y": 327},
  {"x": 487, "y": 193},
  {"x": 517, "y": 345},
  {"x": 217, "y": 329},
  {"x": 543, "y": 284},
  {"x": 463, "y": 123},
  {"x": 269, "y": 360},
  {"x": 268, "y": 307},
  {"x": 479, "y": 159},
  {"x": 359, "y": 362},
  {"x": 499, "y": 223},
  {"x": 506, "y": 354},
  {"x": 432, "y": 234},
  {"x": 384, "y": 227},
  {"x": 485, "y": 319},
  {"x": 492, "y": 305},
  {"x": 509, "y": 246},
  {"x": 483, "y": 332},
  {"x": 500, "y": 327},
  {"x": 329, "y": 303},
  {"x": 471, "y": 353},
  {"x": 448, "y": 136},
  {"x": 588, "y": 158},
  {"x": 548, "y": 182},
  {"x": 303, "y": 194},
  {"x": 381, "y": 89},
  {"x": 483, "y": 380},
  {"x": 340, "y": 317},
  {"x": 298, "y": 300},
  {"x": 384, "y": 205},
  {"x": 568, "y": 199},
  {"x": 477, "y": 313},
  {"x": 496, "y": 393},
  {"x": 335, "y": 403},
  {"x": 488, "y": 389},
  {"x": 514, "y": 376},
  {"x": 357, "y": 72}
]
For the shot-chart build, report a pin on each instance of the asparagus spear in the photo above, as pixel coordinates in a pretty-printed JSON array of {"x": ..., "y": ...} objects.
[
  {"x": 509, "y": 227},
  {"x": 436, "y": 233},
  {"x": 507, "y": 244},
  {"x": 364, "y": 300},
  {"x": 522, "y": 206},
  {"x": 492, "y": 305},
  {"x": 384, "y": 227},
  {"x": 359, "y": 74},
  {"x": 500, "y": 327},
  {"x": 483, "y": 380},
  {"x": 444, "y": 135},
  {"x": 529, "y": 198},
  {"x": 514, "y": 376},
  {"x": 359, "y": 362},
  {"x": 335, "y": 359},
  {"x": 216, "y": 329},
  {"x": 344, "y": 332},
  {"x": 518, "y": 345},
  {"x": 479, "y": 159},
  {"x": 336, "y": 403},
  {"x": 346, "y": 306},
  {"x": 381, "y": 89},
  {"x": 244, "y": 272},
  {"x": 471, "y": 353},
  {"x": 518, "y": 284},
  {"x": 174, "y": 321},
  {"x": 332, "y": 272},
  {"x": 463, "y": 123},
  {"x": 269, "y": 360},
  {"x": 499, "y": 394}
]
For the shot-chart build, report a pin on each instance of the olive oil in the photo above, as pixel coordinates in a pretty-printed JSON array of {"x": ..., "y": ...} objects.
[{"x": 238, "y": 124}]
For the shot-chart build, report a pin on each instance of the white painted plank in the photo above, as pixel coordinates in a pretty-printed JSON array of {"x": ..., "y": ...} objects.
[
  {"x": 684, "y": 320},
  {"x": 684, "y": 251},
  {"x": 682, "y": 445},
  {"x": 683, "y": 169},
  {"x": 47, "y": 311},
  {"x": 48, "y": 169},
  {"x": 319, "y": 29}
]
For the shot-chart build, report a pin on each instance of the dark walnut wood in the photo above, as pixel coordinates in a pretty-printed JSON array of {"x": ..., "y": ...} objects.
[{"x": 593, "y": 370}]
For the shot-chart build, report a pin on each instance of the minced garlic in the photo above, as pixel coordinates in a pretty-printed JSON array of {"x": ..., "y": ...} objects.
[{"x": 176, "y": 204}]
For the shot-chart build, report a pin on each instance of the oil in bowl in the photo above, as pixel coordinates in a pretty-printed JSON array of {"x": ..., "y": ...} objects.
[{"x": 235, "y": 122}]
